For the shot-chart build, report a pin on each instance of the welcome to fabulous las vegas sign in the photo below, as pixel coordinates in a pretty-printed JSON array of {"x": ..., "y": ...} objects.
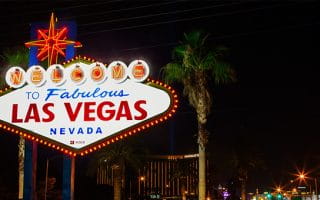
[{"x": 83, "y": 105}]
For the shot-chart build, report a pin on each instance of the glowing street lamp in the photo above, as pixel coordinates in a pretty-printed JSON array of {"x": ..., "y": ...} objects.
[
  {"x": 278, "y": 189},
  {"x": 141, "y": 180},
  {"x": 302, "y": 176}
]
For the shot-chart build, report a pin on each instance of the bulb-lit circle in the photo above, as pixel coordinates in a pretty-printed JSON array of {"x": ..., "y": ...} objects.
[
  {"x": 16, "y": 77},
  {"x": 138, "y": 70},
  {"x": 97, "y": 72},
  {"x": 56, "y": 74},
  {"x": 117, "y": 72},
  {"x": 76, "y": 73},
  {"x": 36, "y": 75}
]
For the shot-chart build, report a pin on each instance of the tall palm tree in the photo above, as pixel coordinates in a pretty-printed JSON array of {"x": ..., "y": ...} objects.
[
  {"x": 17, "y": 57},
  {"x": 196, "y": 65},
  {"x": 120, "y": 156}
]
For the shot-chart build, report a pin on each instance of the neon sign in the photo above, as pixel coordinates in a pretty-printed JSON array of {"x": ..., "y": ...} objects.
[{"x": 84, "y": 105}]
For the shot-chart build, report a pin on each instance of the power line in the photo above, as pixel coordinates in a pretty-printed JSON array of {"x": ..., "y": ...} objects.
[
  {"x": 63, "y": 8},
  {"x": 112, "y": 11},
  {"x": 222, "y": 37},
  {"x": 89, "y": 4},
  {"x": 122, "y": 28},
  {"x": 124, "y": 9},
  {"x": 210, "y": 38},
  {"x": 179, "y": 20},
  {"x": 158, "y": 14}
]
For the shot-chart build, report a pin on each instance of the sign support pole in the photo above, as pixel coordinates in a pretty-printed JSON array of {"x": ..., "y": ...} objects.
[
  {"x": 31, "y": 147},
  {"x": 68, "y": 178},
  {"x": 69, "y": 162},
  {"x": 30, "y": 170}
]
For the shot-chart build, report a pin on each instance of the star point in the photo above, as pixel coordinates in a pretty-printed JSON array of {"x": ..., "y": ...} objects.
[{"x": 52, "y": 42}]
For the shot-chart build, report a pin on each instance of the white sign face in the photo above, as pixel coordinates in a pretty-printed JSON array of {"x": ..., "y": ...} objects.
[{"x": 85, "y": 106}]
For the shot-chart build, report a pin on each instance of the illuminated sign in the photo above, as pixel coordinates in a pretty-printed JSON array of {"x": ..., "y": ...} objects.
[{"x": 83, "y": 106}]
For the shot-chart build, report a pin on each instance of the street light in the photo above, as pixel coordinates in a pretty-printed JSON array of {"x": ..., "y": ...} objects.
[
  {"x": 278, "y": 189},
  {"x": 302, "y": 177},
  {"x": 141, "y": 179}
]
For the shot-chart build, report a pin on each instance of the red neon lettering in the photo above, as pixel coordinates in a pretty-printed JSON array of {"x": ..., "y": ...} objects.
[
  {"x": 143, "y": 112},
  {"x": 32, "y": 113},
  {"x": 14, "y": 117},
  {"x": 48, "y": 112},
  {"x": 88, "y": 110},
  {"x": 100, "y": 111},
  {"x": 73, "y": 114},
  {"x": 124, "y": 111}
]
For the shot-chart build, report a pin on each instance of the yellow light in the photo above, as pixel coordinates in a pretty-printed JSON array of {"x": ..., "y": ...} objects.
[
  {"x": 302, "y": 176},
  {"x": 141, "y": 178}
]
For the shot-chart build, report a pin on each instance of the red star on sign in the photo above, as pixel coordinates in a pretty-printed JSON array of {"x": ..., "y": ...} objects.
[{"x": 52, "y": 42}]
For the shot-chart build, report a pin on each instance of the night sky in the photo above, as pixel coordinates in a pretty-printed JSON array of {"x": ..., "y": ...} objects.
[{"x": 274, "y": 48}]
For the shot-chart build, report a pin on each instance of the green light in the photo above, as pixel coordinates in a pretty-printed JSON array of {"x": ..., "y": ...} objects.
[
  {"x": 269, "y": 196},
  {"x": 279, "y": 196}
]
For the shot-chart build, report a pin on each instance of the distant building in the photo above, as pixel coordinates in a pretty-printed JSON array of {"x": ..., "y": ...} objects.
[{"x": 162, "y": 175}]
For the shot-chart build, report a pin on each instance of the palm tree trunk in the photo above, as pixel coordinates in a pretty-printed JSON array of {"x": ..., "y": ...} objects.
[
  {"x": 117, "y": 182},
  {"x": 202, "y": 167},
  {"x": 202, "y": 108},
  {"x": 243, "y": 190},
  {"x": 21, "y": 147}
]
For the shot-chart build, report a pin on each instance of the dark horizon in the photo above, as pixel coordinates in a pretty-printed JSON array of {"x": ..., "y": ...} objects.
[{"x": 273, "y": 47}]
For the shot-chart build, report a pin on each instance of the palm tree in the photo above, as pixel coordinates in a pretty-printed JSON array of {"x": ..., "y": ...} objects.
[
  {"x": 17, "y": 57},
  {"x": 195, "y": 65},
  {"x": 120, "y": 156},
  {"x": 245, "y": 158}
]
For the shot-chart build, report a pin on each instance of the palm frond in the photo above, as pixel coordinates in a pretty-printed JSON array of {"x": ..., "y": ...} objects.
[
  {"x": 219, "y": 51},
  {"x": 208, "y": 61},
  {"x": 194, "y": 55},
  {"x": 223, "y": 73},
  {"x": 16, "y": 57},
  {"x": 128, "y": 154},
  {"x": 174, "y": 72},
  {"x": 193, "y": 38},
  {"x": 178, "y": 52}
]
